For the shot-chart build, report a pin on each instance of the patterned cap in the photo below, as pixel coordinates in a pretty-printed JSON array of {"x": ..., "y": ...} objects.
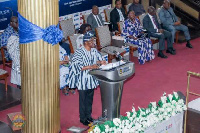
[{"x": 87, "y": 36}]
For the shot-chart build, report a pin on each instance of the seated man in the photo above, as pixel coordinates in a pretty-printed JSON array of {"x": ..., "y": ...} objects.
[
  {"x": 95, "y": 19},
  {"x": 151, "y": 24},
  {"x": 170, "y": 22},
  {"x": 85, "y": 59},
  {"x": 137, "y": 8},
  {"x": 64, "y": 70},
  {"x": 117, "y": 15},
  {"x": 12, "y": 29},
  {"x": 14, "y": 52},
  {"x": 83, "y": 29}
]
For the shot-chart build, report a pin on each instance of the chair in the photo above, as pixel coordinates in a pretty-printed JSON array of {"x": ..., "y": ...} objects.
[
  {"x": 4, "y": 75},
  {"x": 177, "y": 32},
  {"x": 73, "y": 46},
  {"x": 104, "y": 43},
  {"x": 107, "y": 14},
  {"x": 85, "y": 18},
  {"x": 67, "y": 26},
  {"x": 141, "y": 17},
  {"x": 132, "y": 47},
  {"x": 126, "y": 7},
  {"x": 157, "y": 14},
  {"x": 72, "y": 42},
  {"x": 5, "y": 62}
]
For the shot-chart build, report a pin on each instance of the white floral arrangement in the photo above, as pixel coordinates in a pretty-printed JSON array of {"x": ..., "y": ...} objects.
[{"x": 144, "y": 118}]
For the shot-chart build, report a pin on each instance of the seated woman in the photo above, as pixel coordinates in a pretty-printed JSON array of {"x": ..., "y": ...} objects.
[
  {"x": 83, "y": 29},
  {"x": 14, "y": 52},
  {"x": 132, "y": 31},
  {"x": 64, "y": 70}
]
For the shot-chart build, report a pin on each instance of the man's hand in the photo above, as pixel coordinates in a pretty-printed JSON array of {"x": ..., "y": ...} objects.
[
  {"x": 177, "y": 23},
  {"x": 160, "y": 30},
  {"x": 135, "y": 38},
  {"x": 95, "y": 66},
  {"x": 63, "y": 62},
  {"x": 103, "y": 62}
]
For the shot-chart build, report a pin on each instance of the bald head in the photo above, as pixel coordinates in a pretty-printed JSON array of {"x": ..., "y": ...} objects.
[
  {"x": 168, "y": 1},
  {"x": 166, "y": 4},
  {"x": 95, "y": 10},
  {"x": 151, "y": 10},
  {"x": 14, "y": 22}
]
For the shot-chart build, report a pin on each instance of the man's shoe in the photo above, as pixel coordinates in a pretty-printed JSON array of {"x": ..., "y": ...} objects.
[
  {"x": 90, "y": 119},
  {"x": 170, "y": 51},
  {"x": 189, "y": 45},
  {"x": 85, "y": 122},
  {"x": 173, "y": 49},
  {"x": 161, "y": 55}
]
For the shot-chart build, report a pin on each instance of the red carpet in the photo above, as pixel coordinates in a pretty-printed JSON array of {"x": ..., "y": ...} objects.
[{"x": 150, "y": 82}]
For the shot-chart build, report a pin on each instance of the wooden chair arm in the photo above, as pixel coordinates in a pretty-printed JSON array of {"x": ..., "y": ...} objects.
[{"x": 117, "y": 33}]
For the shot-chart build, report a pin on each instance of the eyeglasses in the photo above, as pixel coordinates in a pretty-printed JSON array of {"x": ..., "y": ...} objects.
[{"x": 15, "y": 22}]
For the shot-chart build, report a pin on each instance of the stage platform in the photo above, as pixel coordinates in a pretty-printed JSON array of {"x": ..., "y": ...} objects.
[{"x": 10, "y": 98}]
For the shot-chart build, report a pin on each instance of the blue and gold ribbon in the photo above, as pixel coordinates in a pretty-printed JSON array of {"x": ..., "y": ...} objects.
[{"x": 29, "y": 32}]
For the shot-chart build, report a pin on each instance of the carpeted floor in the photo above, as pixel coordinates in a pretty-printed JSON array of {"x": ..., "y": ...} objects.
[{"x": 150, "y": 82}]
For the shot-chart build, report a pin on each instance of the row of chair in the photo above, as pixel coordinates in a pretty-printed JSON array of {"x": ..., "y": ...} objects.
[
  {"x": 104, "y": 43},
  {"x": 69, "y": 31},
  {"x": 104, "y": 38},
  {"x": 68, "y": 26}
]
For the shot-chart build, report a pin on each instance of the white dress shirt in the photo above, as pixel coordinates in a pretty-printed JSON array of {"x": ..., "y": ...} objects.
[
  {"x": 120, "y": 15},
  {"x": 155, "y": 27}
]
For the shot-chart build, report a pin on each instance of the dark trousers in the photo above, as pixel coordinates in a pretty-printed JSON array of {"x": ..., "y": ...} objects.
[
  {"x": 173, "y": 29},
  {"x": 165, "y": 35},
  {"x": 85, "y": 103}
]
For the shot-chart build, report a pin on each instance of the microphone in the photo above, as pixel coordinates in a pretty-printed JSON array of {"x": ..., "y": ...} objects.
[{"x": 118, "y": 56}]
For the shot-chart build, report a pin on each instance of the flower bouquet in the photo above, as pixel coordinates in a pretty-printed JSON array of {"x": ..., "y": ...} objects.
[{"x": 144, "y": 118}]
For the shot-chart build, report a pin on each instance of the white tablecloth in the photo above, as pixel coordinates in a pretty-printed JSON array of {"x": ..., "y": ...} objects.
[{"x": 173, "y": 125}]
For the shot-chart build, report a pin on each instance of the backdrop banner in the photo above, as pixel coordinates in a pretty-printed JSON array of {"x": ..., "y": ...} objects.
[
  {"x": 7, "y": 9},
  {"x": 67, "y": 9},
  {"x": 73, "y": 6}
]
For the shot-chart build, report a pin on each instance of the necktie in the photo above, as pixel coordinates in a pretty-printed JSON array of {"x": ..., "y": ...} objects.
[
  {"x": 154, "y": 21},
  {"x": 98, "y": 21}
]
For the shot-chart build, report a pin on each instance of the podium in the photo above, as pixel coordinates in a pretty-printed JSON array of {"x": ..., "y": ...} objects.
[{"x": 111, "y": 79}]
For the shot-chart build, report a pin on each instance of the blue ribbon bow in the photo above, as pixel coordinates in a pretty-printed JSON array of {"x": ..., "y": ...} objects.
[{"x": 29, "y": 32}]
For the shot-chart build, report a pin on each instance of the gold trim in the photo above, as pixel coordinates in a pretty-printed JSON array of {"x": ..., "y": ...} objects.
[{"x": 196, "y": 75}]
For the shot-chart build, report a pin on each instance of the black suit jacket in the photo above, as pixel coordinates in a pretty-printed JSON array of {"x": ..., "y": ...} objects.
[
  {"x": 114, "y": 18},
  {"x": 148, "y": 24}
]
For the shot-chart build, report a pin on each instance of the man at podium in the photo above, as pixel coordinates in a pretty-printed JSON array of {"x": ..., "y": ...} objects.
[{"x": 85, "y": 59}]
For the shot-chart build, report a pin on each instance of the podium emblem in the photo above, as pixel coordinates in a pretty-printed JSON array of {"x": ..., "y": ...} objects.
[{"x": 120, "y": 71}]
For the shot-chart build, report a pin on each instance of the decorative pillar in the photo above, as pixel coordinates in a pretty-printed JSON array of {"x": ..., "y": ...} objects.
[
  {"x": 40, "y": 71},
  {"x": 113, "y": 3}
]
